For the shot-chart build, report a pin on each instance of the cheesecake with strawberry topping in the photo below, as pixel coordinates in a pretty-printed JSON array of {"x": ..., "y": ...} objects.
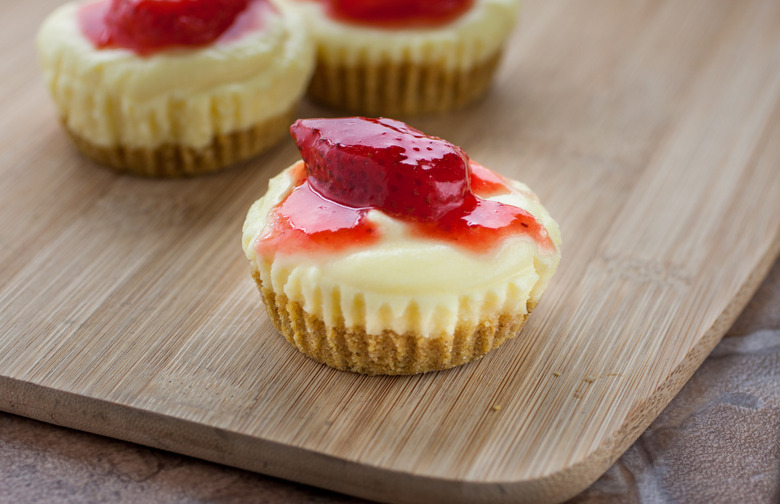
[
  {"x": 405, "y": 57},
  {"x": 175, "y": 87},
  {"x": 388, "y": 251}
]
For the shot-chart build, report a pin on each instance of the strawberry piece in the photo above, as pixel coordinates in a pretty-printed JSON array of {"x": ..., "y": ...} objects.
[
  {"x": 385, "y": 164},
  {"x": 148, "y": 25}
]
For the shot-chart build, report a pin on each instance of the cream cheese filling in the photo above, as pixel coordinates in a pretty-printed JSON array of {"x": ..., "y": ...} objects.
[
  {"x": 404, "y": 282},
  {"x": 472, "y": 38},
  {"x": 179, "y": 96}
]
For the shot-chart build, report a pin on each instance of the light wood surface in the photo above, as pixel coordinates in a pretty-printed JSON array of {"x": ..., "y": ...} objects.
[{"x": 650, "y": 129}]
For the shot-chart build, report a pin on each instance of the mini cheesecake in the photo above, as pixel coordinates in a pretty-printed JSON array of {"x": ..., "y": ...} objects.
[
  {"x": 163, "y": 88},
  {"x": 387, "y": 251},
  {"x": 405, "y": 57}
]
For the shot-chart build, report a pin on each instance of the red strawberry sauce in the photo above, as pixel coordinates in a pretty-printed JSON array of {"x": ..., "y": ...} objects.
[
  {"x": 149, "y": 26},
  {"x": 397, "y": 13},
  {"x": 353, "y": 165}
]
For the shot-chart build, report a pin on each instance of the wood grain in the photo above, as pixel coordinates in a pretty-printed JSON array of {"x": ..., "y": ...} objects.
[{"x": 650, "y": 129}]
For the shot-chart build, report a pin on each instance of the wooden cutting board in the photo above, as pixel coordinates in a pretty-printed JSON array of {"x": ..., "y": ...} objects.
[{"x": 651, "y": 130}]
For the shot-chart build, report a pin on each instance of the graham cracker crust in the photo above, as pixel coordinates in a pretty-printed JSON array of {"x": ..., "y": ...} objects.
[
  {"x": 388, "y": 353},
  {"x": 390, "y": 89},
  {"x": 174, "y": 160}
]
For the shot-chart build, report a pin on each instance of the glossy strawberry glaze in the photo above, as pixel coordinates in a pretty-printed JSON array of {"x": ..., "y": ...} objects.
[
  {"x": 308, "y": 222},
  {"x": 397, "y": 13},
  {"x": 149, "y": 26},
  {"x": 486, "y": 183},
  {"x": 311, "y": 219}
]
